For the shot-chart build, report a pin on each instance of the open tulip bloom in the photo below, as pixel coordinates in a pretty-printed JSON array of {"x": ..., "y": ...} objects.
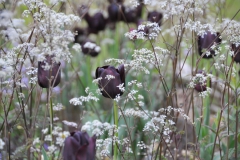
[
  {"x": 48, "y": 71},
  {"x": 111, "y": 80},
  {"x": 79, "y": 146}
]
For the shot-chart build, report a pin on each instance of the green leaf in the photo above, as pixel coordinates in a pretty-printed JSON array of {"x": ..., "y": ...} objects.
[{"x": 44, "y": 153}]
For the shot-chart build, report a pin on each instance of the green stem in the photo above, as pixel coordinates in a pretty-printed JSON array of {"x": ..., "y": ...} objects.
[
  {"x": 115, "y": 110},
  {"x": 51, "y": 113}
]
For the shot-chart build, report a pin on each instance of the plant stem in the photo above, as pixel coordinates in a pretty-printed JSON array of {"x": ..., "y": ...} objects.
[{"x": 115, "y": 110}]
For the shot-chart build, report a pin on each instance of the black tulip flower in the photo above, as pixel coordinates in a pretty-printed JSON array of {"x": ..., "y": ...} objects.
[
  {"x": 46, "y": 75},
  {"x": 155, "y": 16},
  {"x": 96, "y": 23},
  {"x": 80, "y": 35},
  {"x": 79, "y": 146},
  {"x": 236, "y": 53},
  {"x": 109, "y": 87},
  {"x": 90, "y": 48},
  {"x": 115, "y": 12},
  {"x": 205, "y": 43}
]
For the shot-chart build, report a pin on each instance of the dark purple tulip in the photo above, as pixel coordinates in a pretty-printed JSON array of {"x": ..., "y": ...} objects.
[
  {"x": 201, "y": 87},
  {"x": 205, "y": 43},
  {"x": 109, "y": 88},
  {"x": 115, "y": 12},
  {"x": 81, "y": 35},
  {"x": 236, "y": 53},
  {"x": 155, "y": 16},
  {"x": 90, "y": 51},
  {"x": 44, "y": 76},
  {"x": 96, "y": 23},
  {"x": 79, "y": 146}
]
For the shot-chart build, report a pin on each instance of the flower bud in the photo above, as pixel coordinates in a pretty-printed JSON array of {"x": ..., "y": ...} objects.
[
  {"x": 79, "y": 146},
  {"x": 155, "y": 16}
]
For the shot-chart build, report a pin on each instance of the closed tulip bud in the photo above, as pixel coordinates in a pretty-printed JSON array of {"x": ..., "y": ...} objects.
[
  {"x": 80, "y": 35},
  {"x": 79, "y": 146},
  {"x": 236, "y": 50},
  {"x": 48, "y": 71},
  {"x": 115, "y": 12},
  {"x": 155, "y": 16},
  {"x": 110, "y": 80},
  {"x": 96, "y": 23},
  {"x": 206, "y": 42}
]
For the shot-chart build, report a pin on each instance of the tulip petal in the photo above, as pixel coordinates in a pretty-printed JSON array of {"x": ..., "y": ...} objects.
[
  {"x": 122, "y": 73},
  {"x": 44, "y": 75},
  {"x": 205, "y": 43},
  {"x": 79, "y": 146}
]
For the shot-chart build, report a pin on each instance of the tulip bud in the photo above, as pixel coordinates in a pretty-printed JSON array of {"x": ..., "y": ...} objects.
[
  {"x": 80, "y": 35},
  {"x": 79, "y": 146},
  {"x": 96, "y": 23},
  {"x": 155, "y": 16},
  {"x": 48, "y": 71},
  {"x": 206, "y": 42},
  {"x": 236, "y": 50},
  {"x": 132, "y": 15},
  {"x": 110, "y": 79},
  {"x": 115, "y": 12}
]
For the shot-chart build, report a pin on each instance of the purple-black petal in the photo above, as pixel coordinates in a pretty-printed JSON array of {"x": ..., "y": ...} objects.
[
  {"x": 205, "y": 43},
  {"x": 44, "y": 75}
]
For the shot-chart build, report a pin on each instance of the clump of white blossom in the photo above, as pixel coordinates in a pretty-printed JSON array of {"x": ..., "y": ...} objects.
[
  {"x": 156, "y": 123},
  {"x": 232, "y": 30},
  {"x": 81, "y": 99},
  {"x": 140, "y": 32},
  {"x": 201, "y": 79}
]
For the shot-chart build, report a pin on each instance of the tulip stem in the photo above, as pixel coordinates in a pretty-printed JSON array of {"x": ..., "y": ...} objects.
[
  {"x": 50, "y": 112},
  {"x": 115, "y": 110}
]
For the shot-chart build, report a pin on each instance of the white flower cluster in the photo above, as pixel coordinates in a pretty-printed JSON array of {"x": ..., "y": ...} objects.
[
  {"x": 103, "y": 146},
  {"x": 6, "y": 68},
  {"x": 204, "y": 94},
  {"x": 72, "y": 124},
  {"x": 92, "y": 46},
  {"x": 176, "y": 7},
  {"x": 52, "y": 26},
  {"x": 58, "y": 107},
  {"x": 121, "y": 87},
  {"x": 80, "y": 100},
  {"x": 145, "y": 56},
  {"x": 136, "y": 113},
  {"x": 109, "y": 77},
  {"x": 232, "y": 30},
  {"x": 201, "y": 79},
  {"x": 61, "y": 137},
  {"x": 198, "y": 27},
  {"x": 150, "y": 30},
  {"x": 2, "y": 143},
  {"x": 31, "y": 70},
  {"x": 98, "y": 128}
]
